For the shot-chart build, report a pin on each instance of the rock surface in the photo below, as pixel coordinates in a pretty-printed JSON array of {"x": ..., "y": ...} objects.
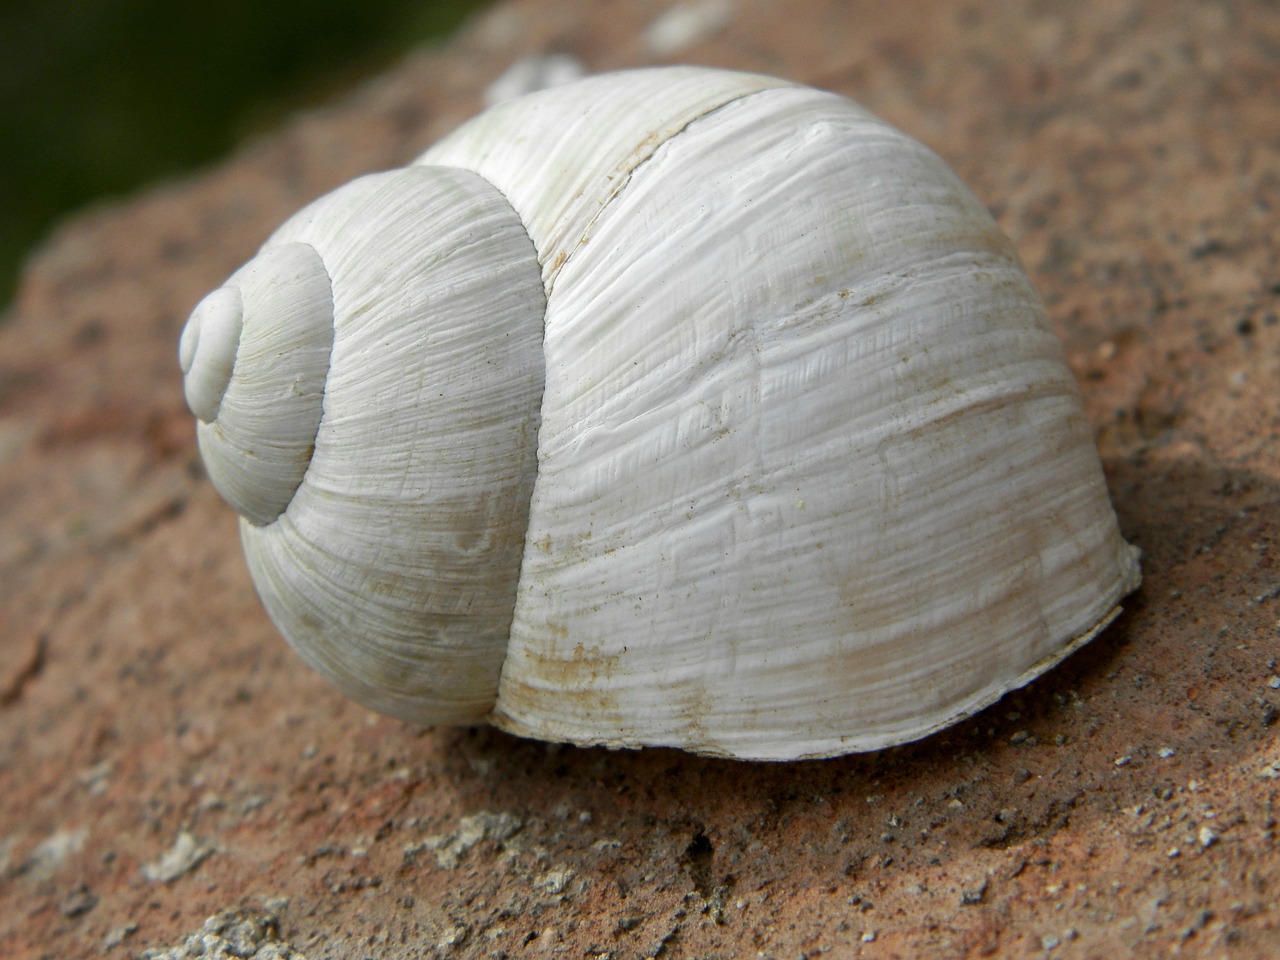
[{"x": 163, "y": 758}]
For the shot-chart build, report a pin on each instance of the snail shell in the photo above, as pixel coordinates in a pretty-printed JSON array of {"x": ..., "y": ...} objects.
[{"x": 668, "y": 407}]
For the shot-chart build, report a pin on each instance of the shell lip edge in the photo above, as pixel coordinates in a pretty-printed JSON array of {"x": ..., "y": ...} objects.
[{"x": 849, "y": 744}]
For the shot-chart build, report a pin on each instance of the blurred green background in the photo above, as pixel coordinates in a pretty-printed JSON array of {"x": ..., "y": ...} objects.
[{"x": 98, "y": 97}]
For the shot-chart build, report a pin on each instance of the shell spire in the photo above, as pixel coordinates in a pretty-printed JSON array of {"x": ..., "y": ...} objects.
[
  {"x": 377, "y": 431},
  {"x": 255, "y": 355}
]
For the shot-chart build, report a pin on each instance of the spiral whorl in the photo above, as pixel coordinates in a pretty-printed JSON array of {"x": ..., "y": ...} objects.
[{"x": 255, "y": 354}]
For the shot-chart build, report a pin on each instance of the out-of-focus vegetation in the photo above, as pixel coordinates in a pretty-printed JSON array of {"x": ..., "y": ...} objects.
[{"x": 100, "y": 96}]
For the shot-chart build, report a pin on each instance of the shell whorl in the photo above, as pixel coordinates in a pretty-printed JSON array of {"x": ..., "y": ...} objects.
[
  {"x": 255, "y": 354},
  {"x": 393, "y": 568},
  {"x": 207, "y": 350}
]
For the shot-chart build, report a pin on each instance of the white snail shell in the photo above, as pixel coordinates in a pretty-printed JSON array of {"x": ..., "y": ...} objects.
[{"x": 669, "y": 407}]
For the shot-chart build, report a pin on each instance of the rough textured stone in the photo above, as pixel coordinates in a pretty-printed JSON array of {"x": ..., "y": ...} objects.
[{"x": 1131, "y": 151}]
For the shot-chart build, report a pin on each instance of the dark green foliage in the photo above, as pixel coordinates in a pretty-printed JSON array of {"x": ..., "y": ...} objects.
[{"x": 99, "y": 96}]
